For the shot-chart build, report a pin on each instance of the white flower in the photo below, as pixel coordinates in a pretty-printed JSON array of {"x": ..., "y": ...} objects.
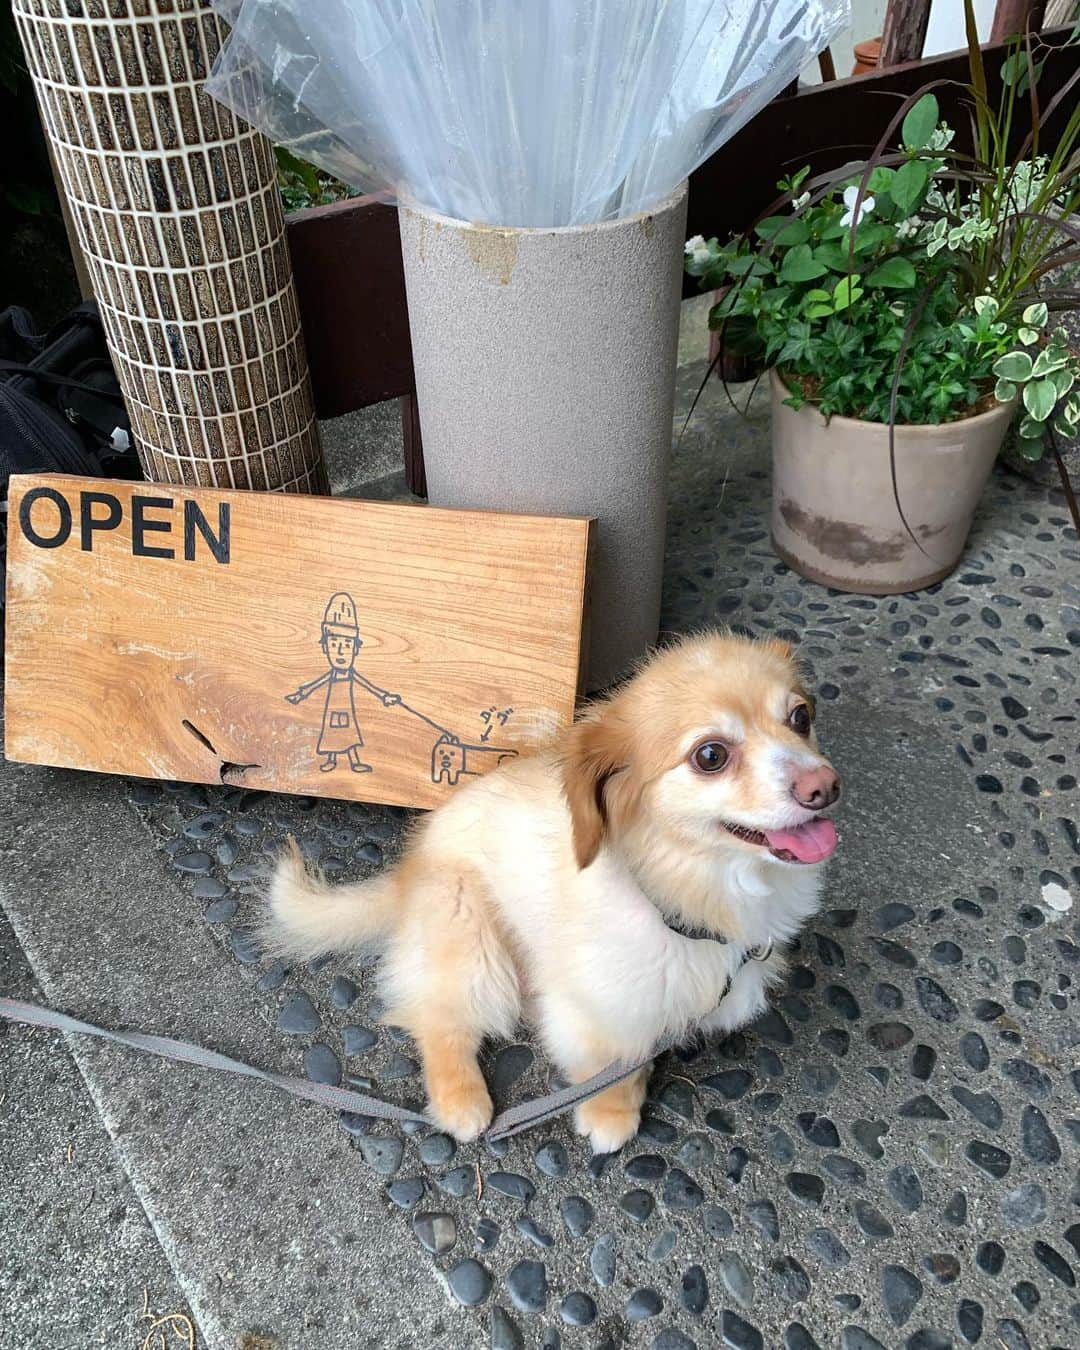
[
  {"x": 865, "y": 207},
  {"x": 800, "y": 201},
  {"x": 697, "y": 250},
  {"x": 908, "y": 229}
]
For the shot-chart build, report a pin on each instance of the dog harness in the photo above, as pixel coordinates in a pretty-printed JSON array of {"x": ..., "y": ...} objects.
[{"x": 512, "y": 1121}]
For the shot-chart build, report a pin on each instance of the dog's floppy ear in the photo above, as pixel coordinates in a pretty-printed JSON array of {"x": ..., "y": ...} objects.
[{"x": 595, "y": 753}]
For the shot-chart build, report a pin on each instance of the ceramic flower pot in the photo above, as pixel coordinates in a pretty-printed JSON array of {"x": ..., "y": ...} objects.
[
  {"x": 834, "y": 513},
  {"x": 545, "y": 378}
]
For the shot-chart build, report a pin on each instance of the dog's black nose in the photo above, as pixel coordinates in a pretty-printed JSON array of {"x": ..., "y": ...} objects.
[{"x": 817, "y": 788}]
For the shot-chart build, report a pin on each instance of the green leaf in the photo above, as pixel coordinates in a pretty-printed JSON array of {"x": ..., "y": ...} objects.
[
  {"x": 920, "y": 122},
  {"x": 1035, "y": 316},
  {"x": 895, "y": 273},
  {"x": 1047, "y": 361},
  {"x": 799, "y": 265},
  {"x": 1031, "y": 447},
  {"x": 881, "y": 180},
  {"x": 1004, "y": 391},
  {"x": 1029, "y": 429},
  {"x": 1040, "y": 396},
  {"x": 846, "y": 291},
  {"x": 819, "y": 310},
  {"x": 787, "y": 231},
  {"x": 870, "y": 234},
  {"x": 1013, "y": 366},
  {"x": 834, "y": 256},
  {"x": 911, "y": 178},
  {"x": 1028, "y": 336}
]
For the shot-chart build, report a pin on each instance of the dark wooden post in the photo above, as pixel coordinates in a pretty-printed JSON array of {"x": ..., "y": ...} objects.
[
  {"x": 1017, "y": 16},
  {"x": 905, "y": 31}
]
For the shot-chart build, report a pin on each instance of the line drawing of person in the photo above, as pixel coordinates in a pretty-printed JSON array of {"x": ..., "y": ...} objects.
[{"x": 341, "y": 642}]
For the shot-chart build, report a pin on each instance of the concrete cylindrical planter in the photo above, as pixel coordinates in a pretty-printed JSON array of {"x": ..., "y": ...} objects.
[
  {"x": 178, "y": 215},
  {"x": 545, "y": 372},
  {"x": 834, "y": 513}
]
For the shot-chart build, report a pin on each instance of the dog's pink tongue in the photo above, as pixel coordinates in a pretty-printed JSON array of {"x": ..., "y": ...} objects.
[{"x": 810, "y": 843}]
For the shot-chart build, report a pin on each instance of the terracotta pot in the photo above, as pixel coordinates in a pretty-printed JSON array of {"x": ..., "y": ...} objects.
[
  {"x": 867, "y": 56},
  {"x": 834, "y": 514}
]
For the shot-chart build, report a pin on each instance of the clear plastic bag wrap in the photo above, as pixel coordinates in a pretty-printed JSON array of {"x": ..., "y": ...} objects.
[{"x": 514, "y": 112}]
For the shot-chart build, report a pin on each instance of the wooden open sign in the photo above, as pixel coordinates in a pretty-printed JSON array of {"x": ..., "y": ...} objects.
[{"x": 301, "y": 644}]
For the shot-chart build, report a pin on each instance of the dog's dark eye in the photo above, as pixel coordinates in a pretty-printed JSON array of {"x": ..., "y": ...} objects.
[
  {"x": 710, "y": 757},
  {"x": 799, "y": 720}
]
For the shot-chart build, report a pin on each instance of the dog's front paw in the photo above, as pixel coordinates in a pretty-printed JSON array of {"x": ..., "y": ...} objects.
[
  {"x": 463, "y": 1109},
  {"x": 609, "y": 1125}
]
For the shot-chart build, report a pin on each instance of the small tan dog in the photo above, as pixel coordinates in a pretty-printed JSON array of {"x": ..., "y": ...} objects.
[{"x": 555, "y": 887}]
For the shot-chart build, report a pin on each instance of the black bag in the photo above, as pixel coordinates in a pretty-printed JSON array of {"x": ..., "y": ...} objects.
[{"x": 61, "y": 410}]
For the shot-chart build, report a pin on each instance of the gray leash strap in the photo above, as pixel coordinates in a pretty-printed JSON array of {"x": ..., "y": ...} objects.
[
  {"x": 339, "y": 1099},
  {"x": 512, "y": 1121},
  {"x": 506, "y": 1123}
]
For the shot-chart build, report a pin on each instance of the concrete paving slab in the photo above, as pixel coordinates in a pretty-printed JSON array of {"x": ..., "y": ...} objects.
[{"x": 79, "y": 1260}]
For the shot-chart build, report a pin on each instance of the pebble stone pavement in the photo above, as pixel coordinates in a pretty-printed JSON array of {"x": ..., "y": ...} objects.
[{"x": 890, "y": 1156}]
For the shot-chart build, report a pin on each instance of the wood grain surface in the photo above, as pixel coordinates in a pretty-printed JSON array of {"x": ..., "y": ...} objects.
[{"x": 351, "y": 649}]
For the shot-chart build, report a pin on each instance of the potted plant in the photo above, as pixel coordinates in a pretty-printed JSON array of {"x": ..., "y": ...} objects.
[{"x": 903, "y": 306}]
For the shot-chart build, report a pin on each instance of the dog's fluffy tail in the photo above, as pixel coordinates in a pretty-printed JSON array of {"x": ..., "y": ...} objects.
[{"x": 305, "y": 917}]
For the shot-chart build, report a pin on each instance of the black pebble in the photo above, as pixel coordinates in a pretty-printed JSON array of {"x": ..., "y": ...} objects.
[
  {"x": 504, "y": 1332},
  {"x": 990, "y": 1257},
  {"x": 512, "y": 1184},
  {"x": 695, "y": 1290},
  {"x": 969, "y": 1320},
  {"x": 796, "y": 1337},
  {"x": 298, "y": 1017},
  {"x": 905, "y": 1188},
  {"x": 818, "y": 1130},
  {"x": 873, "y": 1223},
  {"x": 637, "y": 1204},
  {"x": 718, "y": 1222},
  {"x": 901, "y": 1290},
  {"x": 1052, "y": 1261},
  {"x": 1040, "y": 1142},
  {"x": 578, "y": 1310},
  {"x": 527, "y": 1285},
  {"x": 645, "y": 1167},
  {"x": 792, "y": 1278},
  {"x": 681, "y": 1192},
  {"x": 738, "y": 1333},
  {"x": 577, "y": 1214},
  {"x": 321, "y": 1065},
  {"x": 828, "y": 1248},
  {"x": 956, "y": 1209},
  {"x": 995, "y": 1162},
  {"x": 845, "y": 1170},
  {"x": 407, "y": 1192},
  {"x": 805, "y": 1187},
  {"x": 762, "y": 1214},
  {"x": 643, "y": 1304},
  {"x": 985, "y": 1108},
  {"x": 469, "y": 1282}
]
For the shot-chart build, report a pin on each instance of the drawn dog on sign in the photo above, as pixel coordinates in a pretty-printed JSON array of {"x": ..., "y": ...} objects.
[
  {"x": 340, "y": 733},
  {"x": 450, "y": 759}
]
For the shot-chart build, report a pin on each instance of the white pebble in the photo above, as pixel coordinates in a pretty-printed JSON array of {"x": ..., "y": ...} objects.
[{"x": 1056, "y": 897}]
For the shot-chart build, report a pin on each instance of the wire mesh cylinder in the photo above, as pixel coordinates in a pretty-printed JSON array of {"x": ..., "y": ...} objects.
[{"x": 177, "y": 211}]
